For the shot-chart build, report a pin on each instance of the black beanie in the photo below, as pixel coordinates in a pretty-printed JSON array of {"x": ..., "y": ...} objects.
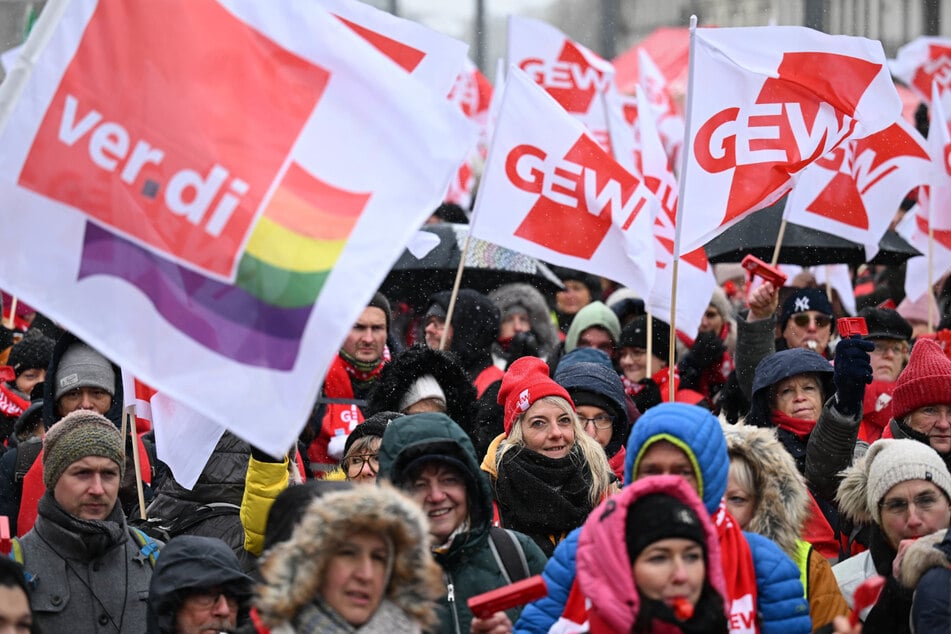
[
  {"x": 33, "y": 351},
  {"x": 380, "y": 301},
  {"x": 373, "y": 426},
  {"x": 658, "y": 516},
  {"x": 634, "y": 335}
]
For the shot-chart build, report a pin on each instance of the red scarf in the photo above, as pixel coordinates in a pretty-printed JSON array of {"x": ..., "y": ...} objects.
[
  {"x": 799, "y": 426},
  {"x": 738, "y": 571},
  {"x": 363, "y": 372}
]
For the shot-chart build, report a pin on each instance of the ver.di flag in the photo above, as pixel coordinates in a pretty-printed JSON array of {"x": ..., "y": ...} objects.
[
  {"x": 765, "y": 102},
  {"x": 550, "y": 191},
  {"x": 213, "y": 238}
]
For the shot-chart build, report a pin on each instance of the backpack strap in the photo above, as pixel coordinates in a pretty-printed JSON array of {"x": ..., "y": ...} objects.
[
  {"x": 508, "y": 554},
  {"x": 148, "y": 547},
  {"x": 26, "y": 456}
]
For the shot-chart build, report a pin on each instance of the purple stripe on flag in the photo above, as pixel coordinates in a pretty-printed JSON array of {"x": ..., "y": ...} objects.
[{"x": 219, "y": 316}]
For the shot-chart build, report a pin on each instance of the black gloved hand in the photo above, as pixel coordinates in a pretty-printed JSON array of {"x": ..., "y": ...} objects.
[
  {"x": 853, "y": 371},
  {"x": 524, "y": 344},
  {"x": 707, "y": 349},
  {"x": 648, "y": 397}
]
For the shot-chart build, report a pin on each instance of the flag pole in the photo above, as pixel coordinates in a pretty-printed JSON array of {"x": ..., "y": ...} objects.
[
  {"x": 129, "y": 420},
  {"x": 650, "y": 344},
  {"x": 779, "y": 242},
  {"x": 455, "y": 290},
  {"x": 828, "y": 283},
  {"x": 11, "y": 320},
  {"x": 672, "y": 364},
  {"x": 931, "y": 315}
]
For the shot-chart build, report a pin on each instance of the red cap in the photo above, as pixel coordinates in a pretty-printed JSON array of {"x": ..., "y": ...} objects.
[{"x": 525, "y": 382}]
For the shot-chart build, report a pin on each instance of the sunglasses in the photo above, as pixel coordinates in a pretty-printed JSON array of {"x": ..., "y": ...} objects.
[{"x": 802, "y": 320}]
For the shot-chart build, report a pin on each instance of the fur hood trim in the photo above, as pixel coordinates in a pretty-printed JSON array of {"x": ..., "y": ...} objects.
[
  {"x": 921, "y": 557},
  {"x": 293, "y": 570},
  {"x": 529, "y": 298},
  {"x": 783, "y": 500},
  {"x": 852, "y": 496}
]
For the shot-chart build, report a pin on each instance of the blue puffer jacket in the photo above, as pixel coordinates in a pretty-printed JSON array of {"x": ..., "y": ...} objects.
[{"x": 781, "y": 606}]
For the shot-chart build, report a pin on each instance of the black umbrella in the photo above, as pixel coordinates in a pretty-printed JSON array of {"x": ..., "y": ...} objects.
[
  {"x": 804, "y": 246},
  {"x": 488, "y": 266}
]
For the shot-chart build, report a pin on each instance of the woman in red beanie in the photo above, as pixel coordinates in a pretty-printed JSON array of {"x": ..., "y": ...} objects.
[{"x": 547, "y": 473}]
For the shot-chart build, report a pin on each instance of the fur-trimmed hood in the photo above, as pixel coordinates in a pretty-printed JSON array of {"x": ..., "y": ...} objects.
[
  {"x": 398, "y": 376},
  {"x": 930, "y": 551},
  {"x": 293, "y": 570},
  {"x": 852, "y": 496},
  {"x": 782, "y": 497},
  {"x": 528, "y": 297}
]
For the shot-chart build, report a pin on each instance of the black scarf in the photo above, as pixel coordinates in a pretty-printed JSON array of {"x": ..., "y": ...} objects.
[
  {"x": 708, "y": 615},
  {"x": 95, "y": 537},
  {"x": 543, "y": 497}
]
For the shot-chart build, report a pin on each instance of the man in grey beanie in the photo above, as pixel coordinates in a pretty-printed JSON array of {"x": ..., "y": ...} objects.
[{"x": 90, "y": 571}]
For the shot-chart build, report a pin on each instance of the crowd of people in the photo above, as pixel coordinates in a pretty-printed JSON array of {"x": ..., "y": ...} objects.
[{"x": 450, "y": 455}]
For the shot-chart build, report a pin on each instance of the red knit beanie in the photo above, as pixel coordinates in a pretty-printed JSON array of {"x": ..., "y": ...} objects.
[
  {"x": 525, "y": 382},
  {"x": 926, "y": 380}
]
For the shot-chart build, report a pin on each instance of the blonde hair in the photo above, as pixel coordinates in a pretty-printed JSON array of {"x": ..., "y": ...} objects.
[
  {"x": 742, "y": 472},
  {"x": 591, "y": 451}
]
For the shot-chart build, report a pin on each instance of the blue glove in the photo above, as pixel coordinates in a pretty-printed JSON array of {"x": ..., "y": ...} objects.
[{"x": 853, "y": 371}]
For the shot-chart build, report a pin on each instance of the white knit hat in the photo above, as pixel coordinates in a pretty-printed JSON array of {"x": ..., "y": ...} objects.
[
  {"x": 422, "y": 388},
  {"x": 889, "y": 462}
]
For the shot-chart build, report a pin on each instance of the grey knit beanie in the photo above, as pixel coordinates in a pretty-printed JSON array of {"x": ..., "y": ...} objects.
[
  {"x": 76, "y": 436},
  {"x": 889, "y": 462},
  {"x": 81, "y": 366}
]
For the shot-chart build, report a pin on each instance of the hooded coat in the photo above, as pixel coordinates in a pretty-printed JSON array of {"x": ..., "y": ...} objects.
[
  {"x": 190, "y": 561},
  {"x": 469, "y": 567},
  {"x": 527, "y": 296},
  {"x": 604, "y": 565},
  {"x": 926, "y": 566},
  {"x": 602, "y": 382},
  {"x": 398, "y": 376},
  {"x": 781, "y": 510},
  {"x": 294, "y": 569},
  {"x": 781, "y": 605}
]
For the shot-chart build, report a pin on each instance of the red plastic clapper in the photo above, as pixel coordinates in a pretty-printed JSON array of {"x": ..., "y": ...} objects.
[
  {"x": 6, "y": 544},
  {"x": 848, "y": 326},
  {"x": 519, "y": 593},
  {"x": 865, "y": 596},
  {"x": 769, "y": 273}
]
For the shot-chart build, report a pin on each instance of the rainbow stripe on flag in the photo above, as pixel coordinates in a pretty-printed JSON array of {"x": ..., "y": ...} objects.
[{"x": 260, "y": 319}]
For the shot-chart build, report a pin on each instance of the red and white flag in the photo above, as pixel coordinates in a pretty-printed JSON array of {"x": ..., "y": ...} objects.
[
  {"x": 921, "y": 62},
  {"x": 214, "y": 239},
  {"x": 572, "y": 74},
  {"x": 550, "y": 191},
  {"x": 854, "y": 191},
  {"x": 765, "y": 102},
  {"x": 695, "y": 279},
  {"x": 431, "y": 57},
  {"x": 472, "y": 92},
  {"x": 934, "y": 207},
  {"x": 670, "y": 121}
]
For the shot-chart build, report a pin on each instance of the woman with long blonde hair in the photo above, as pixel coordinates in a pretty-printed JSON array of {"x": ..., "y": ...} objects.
[{"x": 547, "y": 473}]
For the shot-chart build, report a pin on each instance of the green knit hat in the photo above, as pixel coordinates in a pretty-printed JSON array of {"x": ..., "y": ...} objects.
[{"x": 77, "y": 435}]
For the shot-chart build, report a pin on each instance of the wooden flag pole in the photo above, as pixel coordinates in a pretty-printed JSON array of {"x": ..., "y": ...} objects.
[
  {"x": 10, "y": 321},
  {"x": 779, "y": 242},
  {"x": 931, "y": 315},
  {"x": 828, "y": 284},
  {"x": 650, "y": 344},
  {"x": 129, "y": 421},
  {"x": 455, "y": 290},
  {"x": 672, "y": 364}
]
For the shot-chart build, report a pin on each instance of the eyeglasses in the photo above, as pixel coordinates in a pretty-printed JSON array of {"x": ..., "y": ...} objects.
[
  {"x": 802, "y": 320},
  {"x": 354, "y": 464},
  {"x": 899, "y": 506},
  {"x": 895, "y": 348},
  {"x": 601, "y": 421},
  {"x": 208, "y": 597}
]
